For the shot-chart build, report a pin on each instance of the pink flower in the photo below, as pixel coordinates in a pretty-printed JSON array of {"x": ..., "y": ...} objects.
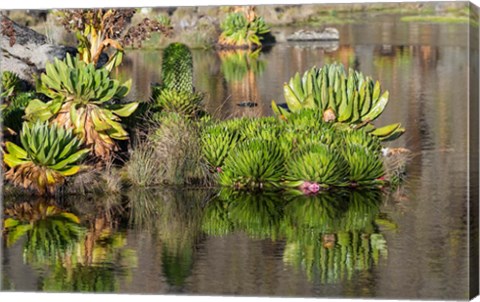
[
  {"x": 314, "y": 187},
  {"x": 219, "y": 170}
]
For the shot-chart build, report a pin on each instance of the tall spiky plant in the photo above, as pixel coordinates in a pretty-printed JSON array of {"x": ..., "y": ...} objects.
[{"x": 177, "y": 93}]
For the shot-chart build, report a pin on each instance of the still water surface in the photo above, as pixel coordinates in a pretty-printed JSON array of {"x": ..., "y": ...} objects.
[{"x": 408, "y": 244}]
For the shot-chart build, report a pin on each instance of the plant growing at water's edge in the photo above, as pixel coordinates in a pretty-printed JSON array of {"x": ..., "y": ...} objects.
[
  {"x": 242, "y": 30},
  {"x": 49, "y": 154},
  {"x": 176, "y": 93},
  {"x": 353, "y": 99},
  {"x": 86, "y": 100}
]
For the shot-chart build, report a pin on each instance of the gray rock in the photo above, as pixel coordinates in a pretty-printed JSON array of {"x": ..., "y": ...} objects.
[
  {"x": 30, "y": 53},
  {"x": 328, "y": 34}
]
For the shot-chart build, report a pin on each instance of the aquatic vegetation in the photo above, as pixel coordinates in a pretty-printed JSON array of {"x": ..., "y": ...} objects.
[
  {"x": 86, "y": 100},
  {"x": 352, "y": 98},
  {"x": 49, "y": 153},
  {"x": 142, "y": 166},
  {"x": 316, "y": 167},
  {"x": 242, "y": 31},
  {"x": 254, "y": 164}
]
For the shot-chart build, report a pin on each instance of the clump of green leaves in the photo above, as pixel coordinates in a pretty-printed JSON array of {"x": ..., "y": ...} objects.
[
  {"x": 254, "y": 164},
  {"x": 48, "y": 154},
  {"x": 353, "y": 99},
  {"x": 86, "y": 100},
  {"x": 240, "y": 31}
]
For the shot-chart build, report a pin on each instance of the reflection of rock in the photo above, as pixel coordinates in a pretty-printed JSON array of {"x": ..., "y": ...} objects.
[
  {"x": 328, "y": 46},
  {"x": 30, "y": 50},
  {"x": 328, "y": 34}
]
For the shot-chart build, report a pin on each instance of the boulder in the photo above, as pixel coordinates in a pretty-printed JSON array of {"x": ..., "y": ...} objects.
[
  {"x": 25, "y": 51},
  {"x": 328, "y": 34}
]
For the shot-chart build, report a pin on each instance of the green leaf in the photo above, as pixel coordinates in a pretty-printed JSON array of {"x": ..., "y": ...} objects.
[
  {"x": 15, "y": 150},
  {"x": 125, "y": 109}
]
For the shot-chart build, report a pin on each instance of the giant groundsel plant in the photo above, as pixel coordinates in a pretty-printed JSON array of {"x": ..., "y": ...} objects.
[
  {"x": 353, "y": 99},
  {"x": 48, "y": 154},
  {"x": 86, "y": 100}
]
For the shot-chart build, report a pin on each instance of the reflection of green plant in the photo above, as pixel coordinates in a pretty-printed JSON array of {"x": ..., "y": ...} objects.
[
  {"x": 215, "y": 220},
  {"x": 49, "y": 154},
  {"x": 238, "y": 31},
  {"x": 259, "y": 215},
  {"x": 81, "y": 99},
  {"x": 352, "y": 99},
  {"x": 330, "y": 238},
  {"x": 50, "y": 230},
  {"x": 236, "y": 64},
  {"x": 255, "y": 163}
]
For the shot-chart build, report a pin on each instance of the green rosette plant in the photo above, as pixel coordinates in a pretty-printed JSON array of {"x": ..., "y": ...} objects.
[
  {"x": 365, "y": 166},
  {"x": 217, "y": 143},
  {"x": 239, "y": 31},
  {"x": 48, "y": 154},
  {"x": 86, "y": 100},
  {"x": 353, "y": 99},
  {"x": 10, "y": 84},
  {"x": 254, "y": 164},
  {"x": 315, "y": 167}
]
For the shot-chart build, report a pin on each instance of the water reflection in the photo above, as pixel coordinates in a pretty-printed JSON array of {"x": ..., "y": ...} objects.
[
  {"x": 327, "y": 236},
  {"x": 69, "y": 253}
]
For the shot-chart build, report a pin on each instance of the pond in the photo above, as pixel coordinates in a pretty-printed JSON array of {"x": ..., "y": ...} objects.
[{"x": 409, "y": 244}]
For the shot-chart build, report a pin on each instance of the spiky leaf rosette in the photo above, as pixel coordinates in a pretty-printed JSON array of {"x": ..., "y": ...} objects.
[
  {"x": 316, "y": 163},
  {"x": 365, "y": 166},
  {"x": 254, "y": 164},
  {"x": 352, "y": 98},
  {"x": 83, "y": 98},
  {"x": 264, "y": 127},
  {"x": 361, "y": 138},
  {"x": 10, "y": 84},
  {"x": 238, "y": 31},
  {"x": 177, "y": 68},
  {"x": 187, "y": 103},
  {"x": 217, "y": 142},
  {"x": 12, "y": 114},
  {"x": 49, "y": 154}
]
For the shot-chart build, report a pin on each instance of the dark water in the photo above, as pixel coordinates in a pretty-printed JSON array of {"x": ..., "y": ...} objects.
[{"x": 408, "y": 244}]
